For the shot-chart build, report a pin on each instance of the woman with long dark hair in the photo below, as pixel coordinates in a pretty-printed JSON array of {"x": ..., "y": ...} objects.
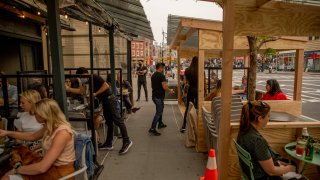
[
  {"x": 273, "y": 91},
  {"x": 191, "y": 75},
  {"x": 267, "y": 163}
]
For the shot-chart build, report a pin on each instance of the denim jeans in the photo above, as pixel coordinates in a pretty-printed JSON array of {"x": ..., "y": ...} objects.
[
  {"x": 159, "y": 110},
  {"x": 144, "y": 84},
  {"x": 112, "y": 113}
]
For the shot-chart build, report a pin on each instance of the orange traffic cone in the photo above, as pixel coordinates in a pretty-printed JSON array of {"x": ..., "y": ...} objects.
[{"x": 211, "y": 170}]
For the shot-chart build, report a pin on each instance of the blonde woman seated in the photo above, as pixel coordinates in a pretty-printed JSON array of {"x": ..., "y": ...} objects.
[
  {"x": 57, "y": 143},
  {"x": 215, "y": 93},
  {"x": 26, "y": 121}
]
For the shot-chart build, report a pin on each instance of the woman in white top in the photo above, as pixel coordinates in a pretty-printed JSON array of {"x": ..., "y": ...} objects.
[{"x": 26, "y": 121}]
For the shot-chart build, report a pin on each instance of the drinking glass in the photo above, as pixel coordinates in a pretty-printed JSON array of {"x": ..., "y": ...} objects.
[{"x": 301, "y": 143}]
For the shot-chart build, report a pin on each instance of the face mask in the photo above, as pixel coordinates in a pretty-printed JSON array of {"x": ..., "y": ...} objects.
[{"x": 84, "y": 80}]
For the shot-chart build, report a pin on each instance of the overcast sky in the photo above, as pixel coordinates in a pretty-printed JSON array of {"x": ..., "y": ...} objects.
[{"x": 157, "y": 12}]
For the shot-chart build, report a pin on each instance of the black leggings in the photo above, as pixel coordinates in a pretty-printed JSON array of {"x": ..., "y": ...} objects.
[{"x": 192, "y": 96}]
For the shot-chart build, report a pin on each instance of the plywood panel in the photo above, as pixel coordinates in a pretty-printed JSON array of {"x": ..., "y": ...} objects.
[
  {"x": 210, "y": 39},
  {"x": 277, "y": 19},
  {"x": 289, "y": 106},
  {"x": 213, "y": 40}
]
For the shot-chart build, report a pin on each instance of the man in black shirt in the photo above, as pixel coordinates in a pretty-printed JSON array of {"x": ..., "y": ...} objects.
[
  {"x": 111, "y": 110},
  {"x": 159, "y": 86},
  {"x": 142, "y": 79}
]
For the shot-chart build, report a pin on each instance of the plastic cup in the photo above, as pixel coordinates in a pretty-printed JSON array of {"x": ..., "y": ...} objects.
[{"x": 301, "y": 143}]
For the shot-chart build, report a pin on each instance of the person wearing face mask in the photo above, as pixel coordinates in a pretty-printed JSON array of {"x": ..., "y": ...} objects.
[
  {"x": 142, "y": 71},
  {"x": 111, "y": 110}
]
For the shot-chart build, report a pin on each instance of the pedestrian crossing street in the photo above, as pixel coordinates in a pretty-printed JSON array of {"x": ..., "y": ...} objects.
[{"x": 310, "y": 84}]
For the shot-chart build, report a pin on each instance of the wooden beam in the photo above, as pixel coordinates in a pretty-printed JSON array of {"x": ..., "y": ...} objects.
[
  {"x": 22, "y": 14},
  {"x": 224, "y": 137},
  {"x": 298, "y": 74},
  {"x": 176, "y": 36},
  {"x": 260, "y": 3},
  {"x": 201, "y": 24},
  {"x": 201, "y": 142}
]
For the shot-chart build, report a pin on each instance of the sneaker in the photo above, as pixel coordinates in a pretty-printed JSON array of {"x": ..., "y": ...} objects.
[
  {"x": 125, "y": 148},
  {"x": 162, "y": 126},
  {"x": 154, "y": 132},
  {"x": 134, "y": 110},
  {"x": 106, "y": 146},
  {"x": 182, "y": 130}
]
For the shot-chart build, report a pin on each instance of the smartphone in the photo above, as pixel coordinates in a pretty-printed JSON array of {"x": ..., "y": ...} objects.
[{"x": 291, "y": 148}]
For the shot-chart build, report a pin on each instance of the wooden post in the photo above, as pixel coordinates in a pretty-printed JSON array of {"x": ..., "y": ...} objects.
[
  {"x": 178, "y": 78},
  {"x": 227, "y": 64},
  {"x": 201, "y": 142},
  {"x": 44, "y": 48},
  {"x": 298, "y": 74}
]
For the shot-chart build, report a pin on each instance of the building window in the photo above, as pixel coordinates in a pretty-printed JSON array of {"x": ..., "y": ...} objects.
[
  {"x": 316, "y": 38},
  {"x": 310, "y": 38},
  {"x": 133, "y": 53},
  {"x": 141, "y": 45},
  {"x": 141, "y": 53},
  {"x": 133, "y": 45},
  {"x": 137, "y": 53}
]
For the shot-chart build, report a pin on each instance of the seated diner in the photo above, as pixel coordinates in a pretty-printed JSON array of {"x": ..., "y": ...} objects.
[
  {"x": 273, "y": 91},
  {"x": 267, "y": 164},
  {"x": 26, "y": 121},
  {"x": 57, "y": 143}
]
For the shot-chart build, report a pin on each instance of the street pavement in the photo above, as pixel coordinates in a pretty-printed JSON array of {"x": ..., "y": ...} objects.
[{"x": 154, "y": 157}]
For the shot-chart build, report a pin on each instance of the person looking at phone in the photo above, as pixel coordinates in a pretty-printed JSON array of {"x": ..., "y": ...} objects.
[
  {"x": 159, "y": 87},
  {"x": 267, "y": 163}
]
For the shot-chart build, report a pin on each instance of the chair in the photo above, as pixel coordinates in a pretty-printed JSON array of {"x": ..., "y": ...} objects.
[
  {"x": 245, "y": 157},
  {"x": 82, "y": 170},
  {"x": 210, "y": 129}
]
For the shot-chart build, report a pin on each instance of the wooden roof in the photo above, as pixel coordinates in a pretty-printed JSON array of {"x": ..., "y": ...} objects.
[
  {"x": 276, "y": 17},
  {"x": 184, "y": 33}
]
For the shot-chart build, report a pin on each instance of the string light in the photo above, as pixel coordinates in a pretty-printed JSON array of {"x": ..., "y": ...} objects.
[
  {"x": 23, "y": 16},
  {"x": 39, "y": 12},
  {"x": 66, "y": 16},
  {"x": 99, "y": 30},
  {"x": 86, "y": 22}
]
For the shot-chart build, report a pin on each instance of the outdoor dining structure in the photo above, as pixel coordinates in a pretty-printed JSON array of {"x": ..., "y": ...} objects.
[{"x": 291, "y": 22}]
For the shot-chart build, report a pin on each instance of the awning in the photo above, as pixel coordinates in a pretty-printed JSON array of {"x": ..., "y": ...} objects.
[{"x": 130, "y": 15}]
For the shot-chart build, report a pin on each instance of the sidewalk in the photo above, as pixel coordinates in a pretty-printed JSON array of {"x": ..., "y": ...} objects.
[{"x": 151, "y": 157}]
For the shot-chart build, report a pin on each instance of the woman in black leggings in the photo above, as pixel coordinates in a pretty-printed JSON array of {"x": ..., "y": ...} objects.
[{"x": 191, "y": 75}]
